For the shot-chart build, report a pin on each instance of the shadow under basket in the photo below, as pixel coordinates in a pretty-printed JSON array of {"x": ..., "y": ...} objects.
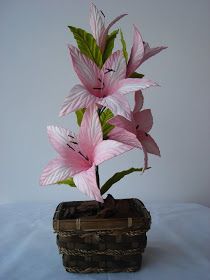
[{"x": 92, "y": 238}]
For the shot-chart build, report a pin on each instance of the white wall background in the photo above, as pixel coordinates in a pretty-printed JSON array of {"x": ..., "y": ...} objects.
[{"x": 36, "y": 75}]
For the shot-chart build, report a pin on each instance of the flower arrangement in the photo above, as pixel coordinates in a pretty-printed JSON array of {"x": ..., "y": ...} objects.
[{"x": 108, "y": 127}]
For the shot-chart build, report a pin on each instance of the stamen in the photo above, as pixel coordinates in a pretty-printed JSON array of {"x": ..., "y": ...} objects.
[
  {"x": 70, "y": 147},
  {"x": 71, "y": 136},
  {"x": 83, "y": 156},
  {"x": 109, "y": 70},
  {"x": 101, "y": 82},
  {"x": 74, "y": 142},
  {"x": 102, "y": 13}
]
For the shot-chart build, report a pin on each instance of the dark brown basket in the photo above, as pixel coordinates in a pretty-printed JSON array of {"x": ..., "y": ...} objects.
[{"x": 95, "y": 244}]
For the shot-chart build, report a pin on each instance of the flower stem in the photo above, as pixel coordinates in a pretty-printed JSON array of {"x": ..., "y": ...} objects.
[
  {"x": 97, "y": 169},
  {"x": 97, "y": 177}
]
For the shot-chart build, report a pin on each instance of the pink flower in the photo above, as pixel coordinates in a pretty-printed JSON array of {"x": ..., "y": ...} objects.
[
  {"x": 79, "y": 156},
  {"x": 105, "y": 87},
  {"x": 135, "y": 132},
  {"x": 97, "y": 25},
  {"x": 140, "y": 52}
]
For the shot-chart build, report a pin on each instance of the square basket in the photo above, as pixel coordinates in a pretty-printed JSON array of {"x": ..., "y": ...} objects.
[{"x": 90, "y": 243}]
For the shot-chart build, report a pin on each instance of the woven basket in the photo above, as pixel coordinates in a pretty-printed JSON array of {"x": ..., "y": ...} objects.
[{"x": 95, "y": 244}]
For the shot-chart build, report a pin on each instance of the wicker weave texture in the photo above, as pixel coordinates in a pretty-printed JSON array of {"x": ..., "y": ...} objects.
[{"x": 113, "y": 250}]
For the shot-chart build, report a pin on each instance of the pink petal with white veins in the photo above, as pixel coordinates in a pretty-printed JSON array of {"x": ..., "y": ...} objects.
[
  {"x": 86, "y": 69},
  {"x": 139, "y": 101},
  {"x": 149, "y": 52},
  {"x": 66, "y": 144},
  {"x": 124, "y": 136},
  {"x": 59, "y": 138},
  {"x": 117, "y": 104},
  {"x": 108, "y": 149},
  {"x": 96, "y": 23},
  {"x": 86, "y": 183},
  {"x": 78, "y": 98},
  {"x": 122, "y": 122},
  {"x": 114, "y": 69},
  {"x": 90, "y": 134},
  {"x": 56, "y": 170},
  {"x": 105, "y": 33},
  {"x": 137, "y": 52},
  {"x": 129, "y": 85},
  {"x": 144, "y": 120},
  {"x": 148, "y": 143}
]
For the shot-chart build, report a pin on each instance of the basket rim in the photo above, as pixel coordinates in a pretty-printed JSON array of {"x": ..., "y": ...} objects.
[{"x": 92, "y": 224}]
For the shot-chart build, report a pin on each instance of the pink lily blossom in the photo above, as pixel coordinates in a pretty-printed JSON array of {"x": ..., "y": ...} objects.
[
  {"x": 104, "y": 87},
  {"x": 79, "y": 155},
  {"x": 97, "y": 25},
  {"x": 135, "y": 132},
  {"x": 140, "y": 52}
]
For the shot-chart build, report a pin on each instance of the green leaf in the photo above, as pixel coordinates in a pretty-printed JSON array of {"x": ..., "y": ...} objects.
[
  {"x": 79, "y": 113},
  {"x": 124, "y": 46},
  {"x": 68, "y": 181},
  {"x": 87, "y": 45},
  {"x": 104, "y": 117},
  {"x": 117, "y": 177},
  {"x": 136, "y": 75},
  {"x": 109, "y": 44}
]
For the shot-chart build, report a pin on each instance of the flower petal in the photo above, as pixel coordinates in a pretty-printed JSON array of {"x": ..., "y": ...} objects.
[
  {"x": 122, "y": 122},
  {"x": 56, "y": 170},
  {"x": 114, "y": 69},
  {"x": 117, "y": 104},
  {"x": 108, "y": 149},
  {"x": 148, "y": 142},
  {"x": 90, "y": 134},
  {"x": 131, "y": 84},
  {"x": 78, "y": 98},
  {"x": 144, "y": 120},
  {"x": 139, "y": 101},
  {"x": 105, "y": 33},
  {"x": 59, "y": 138},
  {"x": 86, "y": 183},
  {"x": 137, "y": 52},
  {"x": 86, "y": 69},
  {"x": 124, "y": 136},
  {"x": 96, "y": 23},
  {"x": 149, "y": 52},
  {"x": 66, "y": 144}
]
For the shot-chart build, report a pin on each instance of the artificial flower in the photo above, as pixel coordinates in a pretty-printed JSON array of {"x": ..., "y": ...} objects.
[
  {"x": 135, "y": 132},
  {"x": 105, "y": 87},
  {"x": 140, "y": 52},
  {"x": 97, "y": 25},
  {"x": 79, "y": 155}
]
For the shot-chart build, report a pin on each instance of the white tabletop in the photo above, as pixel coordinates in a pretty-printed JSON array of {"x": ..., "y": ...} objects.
[{"x": 178, "y": 244}]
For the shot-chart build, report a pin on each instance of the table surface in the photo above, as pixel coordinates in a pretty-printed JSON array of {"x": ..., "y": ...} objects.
[{"x": 178, "y": 244}]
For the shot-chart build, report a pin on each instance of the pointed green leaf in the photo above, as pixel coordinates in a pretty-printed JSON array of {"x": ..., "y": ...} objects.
[
  {"x": 104, "y": 117},
  {"x": 79, "y": 113},
  {"x": 87, "y": 45},
  {"x": 124, "y": 46},
  {"x": 68, "y": 181},
  {"x": 136, "y": 75},
  {"x": 109, "y": 44},
  {"x": 117, "y": 177}
]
